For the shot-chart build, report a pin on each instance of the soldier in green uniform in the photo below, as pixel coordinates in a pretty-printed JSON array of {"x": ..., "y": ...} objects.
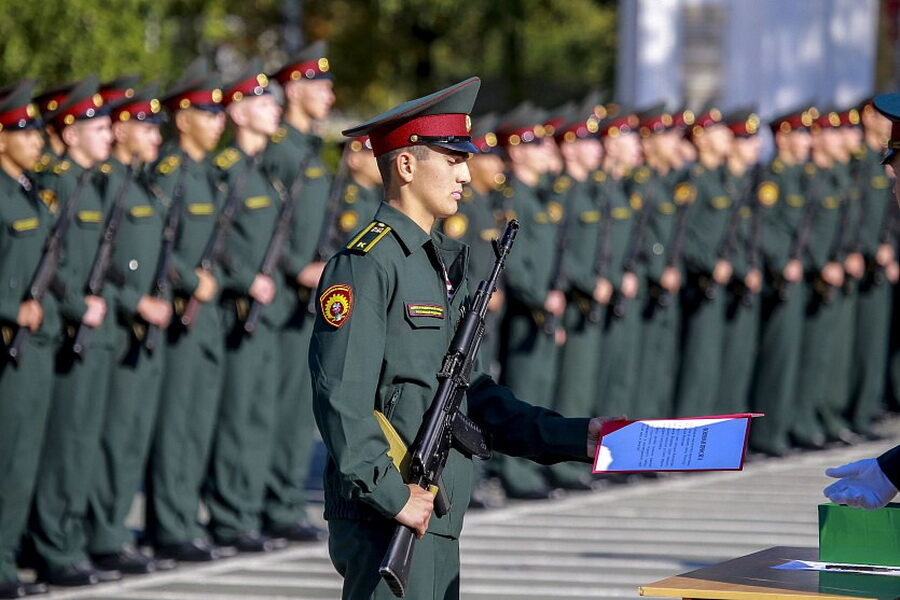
[
  {"x": 781, "y": 204},
  {"x": 870, "y": 355},
  {"x": 245, "y": 434},
  {"x": 578, "y": 189},
  {"x": 708, "y": 268},
  {"x": 531, "y": 330},
  {"x": 194, "y": 355},
  {"x": 137, "y": 371},
  {"x": 741, "y": 246},
  {"x": 306, "y": 82},
  {"x": 388, "y": 304},
  {"x": 825, "y": 276},
  {"x": 25, "y": 386},
  {"x": 70, "y": 458},
  {"x": 657, "y": 190},
  {"x": 47, "y": 102},
  {"x": 361, "y": 191}
]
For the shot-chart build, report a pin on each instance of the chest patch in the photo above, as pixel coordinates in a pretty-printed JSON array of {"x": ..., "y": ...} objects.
[
  {"x": 201, "y": 208},
  {"x": 414, "y": 309},
  {"x": 25, "y": 224},
  {"x": 336, "y": 304}
]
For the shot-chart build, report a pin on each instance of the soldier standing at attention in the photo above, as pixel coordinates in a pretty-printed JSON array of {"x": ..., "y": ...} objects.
[
  {"x": 307, "y": 85},
  {"x": 741, "y": 337},
  {"x": 870, "y": 356},
  {"x": 245, "y": 434},
  {"x": 781, "y": 205},
  {"x": 361, "y": 191},
  {"x": 195, "y": 355},
  {"x": 25, "y": 387},
  {"x": 530, "y": 353},
  {"x": 388, "y": 306},
  {"x": 137, "y": 372},
  {"x": 58, "y": 528},
  {"x": 707, "y": 265}
]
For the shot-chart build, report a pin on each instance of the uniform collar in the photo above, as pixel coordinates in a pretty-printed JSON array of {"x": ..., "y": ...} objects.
[{"x": 410, "y": 235}]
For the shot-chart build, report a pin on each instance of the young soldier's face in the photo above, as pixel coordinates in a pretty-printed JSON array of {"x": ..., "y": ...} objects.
[
  {"x": 22, "y": 148},
  {"x": 438, "y": 181},
  {"x": 590, "y": 153},
  {"x": 314, "y": 97},
  {"x": 261, "y": 114},
  {"x": 202, "y": 127},
  {"x": 93, "y": 138},
  {"x": 142, "y": 140},
  {"x": 800, "y": 143}
]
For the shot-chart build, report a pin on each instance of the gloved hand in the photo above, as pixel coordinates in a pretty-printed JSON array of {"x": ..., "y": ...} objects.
[{"x": 862, "y": 484}]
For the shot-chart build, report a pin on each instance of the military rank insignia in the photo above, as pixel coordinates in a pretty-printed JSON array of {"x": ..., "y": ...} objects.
[{"x": 336, "y": 304}]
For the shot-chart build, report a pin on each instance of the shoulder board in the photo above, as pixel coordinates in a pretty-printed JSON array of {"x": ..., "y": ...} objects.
[
  {"x": 61, "y": 167},
  {"x": 226, "y": 158},
  {"x": 777, "y": 166},
  {"x": 562, "y": 184},
  {"x": 684, "y": 193},
  {"x": 599, "y": 176},
  {"x": 373, "y": 233},
  {"x": 168, "y": 164},
  {"x": 767, "y": 194},
  {"x": 279, "y": 135},
  {"x": 106, "y": 168},
  {"x": 642, "y": 174}
]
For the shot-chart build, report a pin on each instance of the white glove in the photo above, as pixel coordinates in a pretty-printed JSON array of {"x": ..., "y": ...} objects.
[{"x": 862, "y": 484}]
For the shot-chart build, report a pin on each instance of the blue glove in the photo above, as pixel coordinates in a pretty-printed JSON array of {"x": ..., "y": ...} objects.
[{"x": 862, "y": 484}]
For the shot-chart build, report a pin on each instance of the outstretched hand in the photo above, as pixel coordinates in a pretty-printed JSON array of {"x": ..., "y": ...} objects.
[
  {"x": 862, "y": 484},
  {"x": 594, "y": 432}
]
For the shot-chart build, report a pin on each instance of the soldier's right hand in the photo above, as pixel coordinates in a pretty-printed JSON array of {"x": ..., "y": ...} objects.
[
  {"x": 885, "y": 255},
  {"x": 892, "y": 272},
  {"x": 496, "y": 301},
  {"x": 793, "y": 271},
  {"x": 155, "y": 311},
  {"x": 263, "y": 289},
  {"x": 416, "y": 513},
  {"x": 96, "y": 311},
  {"x": 603, "y": 291},
  {"x": 671, "y": 279},
  {"x": 555, "y": 304},
  {"x": 629, "y": 285},
  {"x": 753, "y": 280},
  {"x": 31, "y": 313},
  {"x": 206, "y": 286},
  {"x": 833, "y": 274}
]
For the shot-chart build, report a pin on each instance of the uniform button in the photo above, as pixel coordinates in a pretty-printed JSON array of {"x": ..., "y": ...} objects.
[
  {"x": 658, "y": 249},
  {"x": 133, "y": 265},
  {"x": 12, "y": 283}
]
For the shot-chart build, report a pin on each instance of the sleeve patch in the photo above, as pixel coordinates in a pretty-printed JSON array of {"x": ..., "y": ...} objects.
[
  {"x": 368, "y": 237},
  {"x": 336, "y": 304}
]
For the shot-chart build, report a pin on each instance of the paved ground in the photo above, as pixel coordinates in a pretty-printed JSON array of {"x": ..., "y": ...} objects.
[{"x": 593, "y": 545}]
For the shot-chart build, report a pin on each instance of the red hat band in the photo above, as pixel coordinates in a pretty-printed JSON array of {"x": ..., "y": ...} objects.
[
  {"x": 616, "y": 127},
  {"x": 87, "y": 108},
  {"x": 137, "y": 110},
  {"x": 18, "y": 118},
  {"x": 417, "y": 130},
  {"x": 252, "y": 86},
  {"x": 309, "y": 69},
  {"x": 656, "y": 124},
  {"x": 198, "y": 97}
]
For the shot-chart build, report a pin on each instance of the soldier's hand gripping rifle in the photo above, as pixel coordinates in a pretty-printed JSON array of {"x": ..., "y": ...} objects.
[
  {"x": 664, "y": 296},
  {"x": 324, "y": 246},
  {"x": 443, "y": 426},
  {"x": 281, "y": 234},
  {"x": 215, "y": 247},
  {"x": 161, "y": 284},
  {"x": 635, "y": 250},
  {"x": 45, "y": 273},
  {"x": 558, "y": 279},
  {"x": 101, "y": 265},
  {"x": 601, "y": 260},
  {"x": 801, "y": 236}
]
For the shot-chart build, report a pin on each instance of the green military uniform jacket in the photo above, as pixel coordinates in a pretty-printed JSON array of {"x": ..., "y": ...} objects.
[
  {"x": 80, "y": 248},
  {"x": 25, "y": 224},
  {"x": 389, "y": 322},
  {"x": 707, "y": 220},
  {"x": 357, "y": 206}
]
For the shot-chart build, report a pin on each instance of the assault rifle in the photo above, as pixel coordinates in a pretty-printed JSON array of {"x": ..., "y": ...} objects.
[
  {"x": 46, "y": 269},
  {"x": 443, "y": 425}
]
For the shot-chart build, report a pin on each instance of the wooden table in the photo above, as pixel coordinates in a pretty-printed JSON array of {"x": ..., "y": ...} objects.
[{"x": 752, "y": 577}]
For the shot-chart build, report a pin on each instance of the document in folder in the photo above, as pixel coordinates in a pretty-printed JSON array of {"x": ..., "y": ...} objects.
[{"x": 714, "y": 443}]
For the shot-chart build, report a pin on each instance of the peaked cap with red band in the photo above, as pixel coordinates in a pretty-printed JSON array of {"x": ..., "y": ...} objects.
[
  {"x": 797, "y": 119},
  {"x": 655, "y": 119},
  {"x": 889, "y": 106},
  {"x": 142, "y": 106},
  {"x": 82, "y": 103},
  {"x": 309, "y": 64},
  {"x": 198, "y": 88},
  {"x": 742, "y": 122},
  {"x": 49, "y": 100},
  {"x": 624, "y": 121},
  {"x": 525, "y": 124},
  {"x": 483, "y": 135},
  {"x": 252, "y": 82},
  {"x": 439, "y": 119},
  {"x": 120, "y": 88},
  {"x": 17, "y": 111},
  {"x": 829, "y": 118}
]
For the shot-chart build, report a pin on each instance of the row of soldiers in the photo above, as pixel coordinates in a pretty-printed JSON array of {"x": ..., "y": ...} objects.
[
  {"x": 159, "y": 298},
  {"x": 666, "y": 272}
]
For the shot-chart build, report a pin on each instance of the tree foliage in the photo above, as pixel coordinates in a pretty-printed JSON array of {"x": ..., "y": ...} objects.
[{"x": 382, "y": 51}]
